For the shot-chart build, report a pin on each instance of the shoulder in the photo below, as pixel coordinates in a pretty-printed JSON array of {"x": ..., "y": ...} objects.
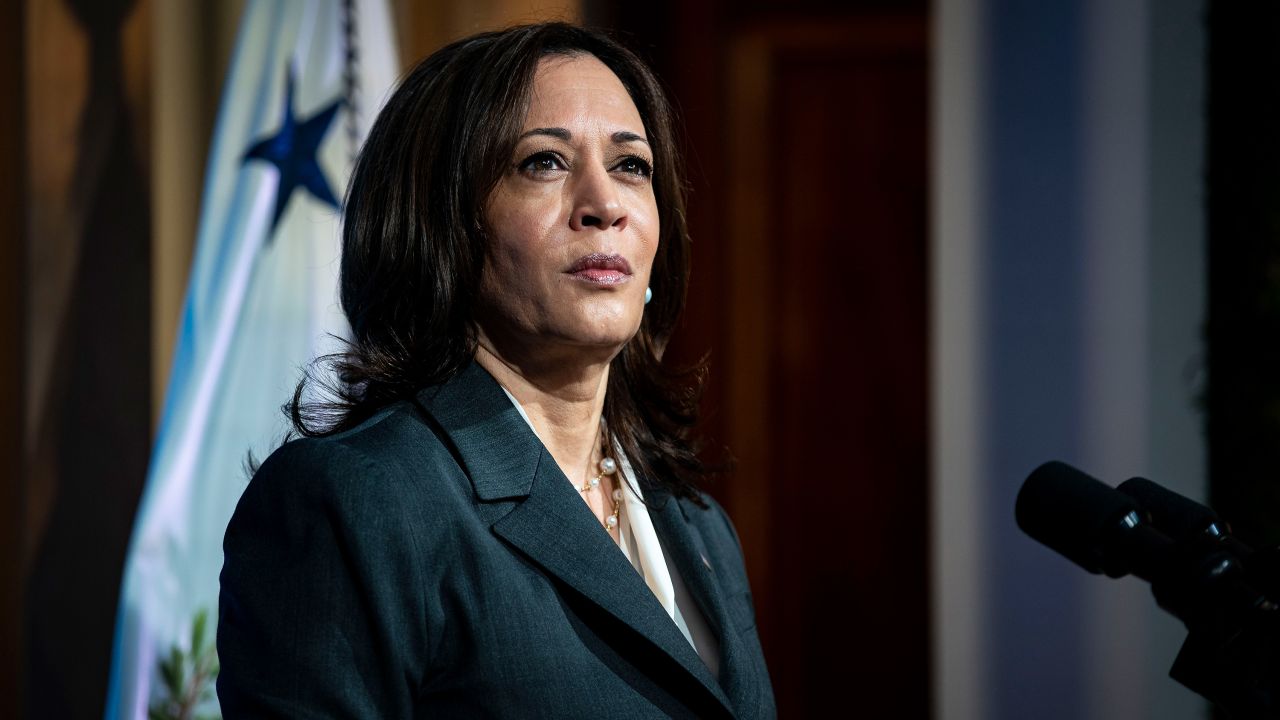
[
  {"x": 384, "y": 461},
  {"x": 386, "y": 490},
  {"x": 326, "y": 553}
]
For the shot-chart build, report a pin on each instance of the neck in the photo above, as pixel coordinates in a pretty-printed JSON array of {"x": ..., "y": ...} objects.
[{"x": 564, "y": 402}]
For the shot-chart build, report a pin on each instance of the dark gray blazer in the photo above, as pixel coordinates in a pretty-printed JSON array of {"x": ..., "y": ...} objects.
[{"x": 435, "y": 562}]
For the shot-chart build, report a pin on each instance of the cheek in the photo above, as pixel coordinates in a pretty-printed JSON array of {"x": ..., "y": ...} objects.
[
  {"x": 507, "y": 252},
  {"x": 518, "y": 239},
  {"x": 651, "y": 230},
  {"x": 510, "y": 277}
]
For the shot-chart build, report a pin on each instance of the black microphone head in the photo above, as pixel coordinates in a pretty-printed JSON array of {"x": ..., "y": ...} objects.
[
  {"x": 1178, "y": 517},
  {"x": 1076, "y": 515}
]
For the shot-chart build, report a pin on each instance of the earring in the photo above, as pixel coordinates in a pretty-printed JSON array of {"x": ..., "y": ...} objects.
[{"x": 648, "y": 295}]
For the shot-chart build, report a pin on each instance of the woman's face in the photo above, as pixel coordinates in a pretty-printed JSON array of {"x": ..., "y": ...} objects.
[{"x": 573, "y": 224}]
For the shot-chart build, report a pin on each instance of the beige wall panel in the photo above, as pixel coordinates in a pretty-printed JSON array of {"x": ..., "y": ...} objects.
[
  {"x": 56, "y": 84},
  {"x": 426, "y": 26},
  {"x": 192, "y": 44}
]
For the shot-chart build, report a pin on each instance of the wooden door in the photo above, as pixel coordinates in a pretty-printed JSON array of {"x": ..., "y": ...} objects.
[{"x": 826, "y": 358}]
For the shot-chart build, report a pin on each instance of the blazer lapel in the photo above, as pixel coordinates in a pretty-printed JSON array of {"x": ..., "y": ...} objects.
[
  {"x": 549, "y": 523},
  {"x": 689, "y": 554}
]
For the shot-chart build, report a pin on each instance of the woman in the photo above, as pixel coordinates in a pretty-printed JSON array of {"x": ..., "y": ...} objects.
[{"x": 495, "y": 514}]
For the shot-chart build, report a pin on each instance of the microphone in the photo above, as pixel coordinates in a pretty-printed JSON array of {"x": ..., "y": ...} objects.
[
  {"x": 1091, "y": 523},
  {"x": 1197, "y": 572},
  {"x": 1194, "y": 525},
  {"x": 1181, "y": 517},
  {"x": 1179, "y": 546}
]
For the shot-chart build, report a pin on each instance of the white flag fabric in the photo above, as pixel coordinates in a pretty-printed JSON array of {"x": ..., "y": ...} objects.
[{"x": 307, "y": 78}]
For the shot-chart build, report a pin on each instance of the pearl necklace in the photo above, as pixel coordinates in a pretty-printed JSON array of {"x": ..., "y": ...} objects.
[{"x": 607, "y": 466}]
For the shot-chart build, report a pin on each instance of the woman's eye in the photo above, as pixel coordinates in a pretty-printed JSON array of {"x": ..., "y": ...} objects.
[
  {"x": 541, "y": 163},
  {"x": 635, "y": 166}
]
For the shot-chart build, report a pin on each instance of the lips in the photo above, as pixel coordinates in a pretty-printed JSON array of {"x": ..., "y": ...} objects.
[{"x": 601, "y": 269}]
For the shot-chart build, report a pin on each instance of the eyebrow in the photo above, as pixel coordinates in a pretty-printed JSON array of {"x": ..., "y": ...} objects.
[{"x": 622, "y": 136}]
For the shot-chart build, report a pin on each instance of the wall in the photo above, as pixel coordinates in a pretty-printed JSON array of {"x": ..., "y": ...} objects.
[
  {"x": 1068, "y": 299},
  {"x": 86, "y": 366}
]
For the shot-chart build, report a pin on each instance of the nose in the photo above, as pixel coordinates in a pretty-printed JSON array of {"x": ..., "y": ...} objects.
[{"x": 596, "y": 202}]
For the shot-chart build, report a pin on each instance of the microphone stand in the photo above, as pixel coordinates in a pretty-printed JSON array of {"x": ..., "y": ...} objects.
[
  {"x": 1226, "y": 593},
  {"x": 1232, "y": 652}
]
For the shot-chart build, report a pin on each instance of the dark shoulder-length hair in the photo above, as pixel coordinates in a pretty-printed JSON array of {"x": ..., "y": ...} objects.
[{"x": 414, "y": 244}]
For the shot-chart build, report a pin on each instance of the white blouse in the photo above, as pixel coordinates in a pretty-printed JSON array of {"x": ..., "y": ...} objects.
[{"x": 639, "y": 543}]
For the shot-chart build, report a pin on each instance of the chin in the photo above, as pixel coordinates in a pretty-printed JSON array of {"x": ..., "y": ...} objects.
[
  {"x": 610, "y": 336},
  {"x": 608, "y": 323},
  {"x": 612, "y": 342}
]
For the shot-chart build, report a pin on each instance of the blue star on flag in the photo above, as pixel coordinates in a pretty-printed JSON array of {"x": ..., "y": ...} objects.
[{"x": 293, "y": 151}]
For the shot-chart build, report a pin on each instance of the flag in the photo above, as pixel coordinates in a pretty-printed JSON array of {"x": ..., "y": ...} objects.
[{"x": 306, "y": 79}]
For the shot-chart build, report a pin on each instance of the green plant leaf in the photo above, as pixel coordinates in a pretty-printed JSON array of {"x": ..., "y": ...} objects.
[
  {"x": 171, "y": 673},
  {"x": 188, "y": 677},
  {"x": 197, "y": 633},
  {"x": 208, "y": 659}
]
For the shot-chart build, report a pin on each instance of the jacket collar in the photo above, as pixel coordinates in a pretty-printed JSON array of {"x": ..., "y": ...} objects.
[
  {"x": 688, "y": 552},
  {"x": 550, "y": 524},
  {"x": 495, "y": 445}
]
